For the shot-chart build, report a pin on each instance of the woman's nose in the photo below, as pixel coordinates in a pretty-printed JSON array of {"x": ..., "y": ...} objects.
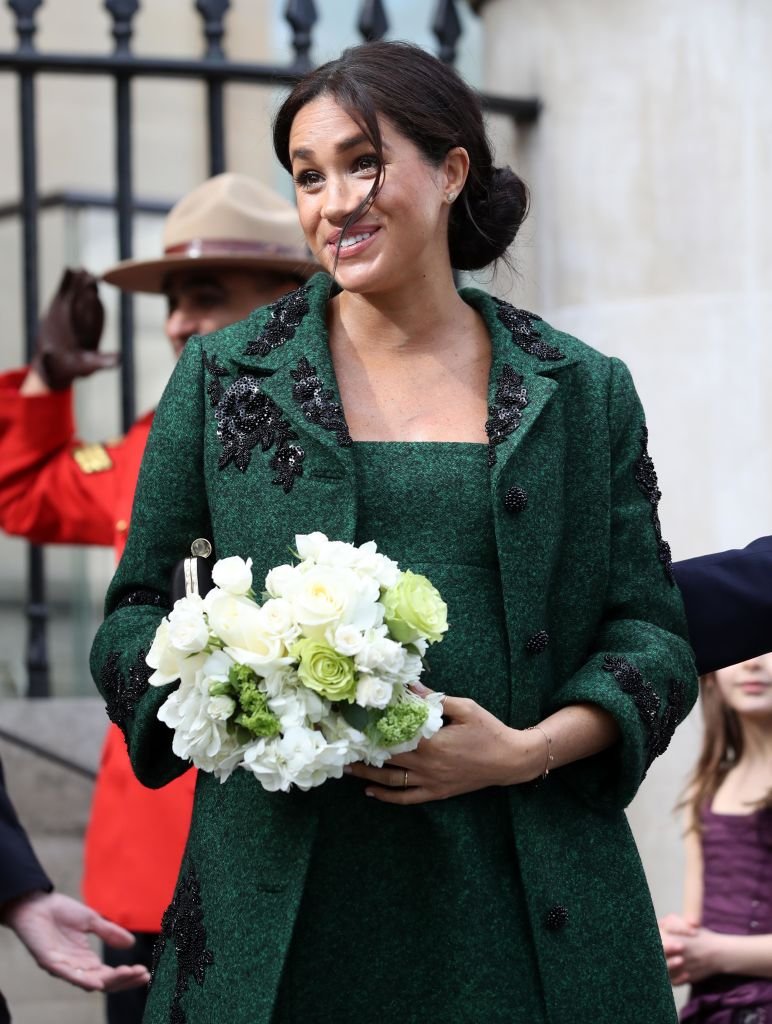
[{"x": 340, "y": 200}]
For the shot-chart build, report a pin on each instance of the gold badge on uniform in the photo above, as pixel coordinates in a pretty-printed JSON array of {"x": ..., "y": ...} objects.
[{"x": 92, "y": 458}]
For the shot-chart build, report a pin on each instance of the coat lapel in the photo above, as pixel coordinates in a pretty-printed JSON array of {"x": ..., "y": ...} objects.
[
  {"x": 295, "y": 370},
  {"x": 525, "y": 373}
]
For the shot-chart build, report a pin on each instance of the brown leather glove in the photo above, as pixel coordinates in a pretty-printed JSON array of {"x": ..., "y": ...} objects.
[{"x": 69, "y": 333}]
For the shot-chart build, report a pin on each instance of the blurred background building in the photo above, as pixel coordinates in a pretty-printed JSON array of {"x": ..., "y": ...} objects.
[{"x": 650, "y": 237}]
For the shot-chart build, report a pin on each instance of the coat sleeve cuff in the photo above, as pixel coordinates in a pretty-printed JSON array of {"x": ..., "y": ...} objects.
[{"x": 646, "y": 704}]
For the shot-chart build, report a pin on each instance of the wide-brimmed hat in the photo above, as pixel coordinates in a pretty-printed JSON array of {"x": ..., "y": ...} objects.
[{"x": 229, "y": 221}]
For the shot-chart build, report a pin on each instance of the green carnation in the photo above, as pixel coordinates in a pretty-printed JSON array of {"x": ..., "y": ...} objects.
[
  {"x": 324, "y": 670},
  {"x": 255, "y": 715},
  {"x": 401, "y": 722},
  {"x": 415, "y": 610}
]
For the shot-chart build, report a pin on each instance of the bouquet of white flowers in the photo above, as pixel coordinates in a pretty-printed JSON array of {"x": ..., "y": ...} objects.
[{"x": 315, "y": 676}]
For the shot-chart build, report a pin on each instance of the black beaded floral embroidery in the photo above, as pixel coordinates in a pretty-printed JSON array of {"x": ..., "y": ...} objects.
[
  {"x": 520, "y": 323},
  {"x": 245, "y": 418},
  {"x": 671, "y": 716},
  {"x": 214, "y": 388},
  {"x": 140, "y": 597},
  {"x": 646, "y": 699},
  {"x": 183, "y": 924},
  {"x": 122, "y": 694},
  {"x": 318, "y": 404},
  {"x": 505, "y": 414},
  {"x": 538, "y": 642},
  {"x": 286, "y": 315},
  {"x": 646, "y": 478},
  {"x": 515, "y": 499},
  {"x": 557, "y": 918},
  {"x": 288, "y": 464}
]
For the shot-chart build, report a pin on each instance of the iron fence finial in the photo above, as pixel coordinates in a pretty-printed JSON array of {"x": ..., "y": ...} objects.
[
  {"x": 373, "y": 23},
  {"x": 447, "y": 28},
  {"x": 302, "y": 16},
  {"x": 25, "y": 21},
  {"x": 213, "y": 12},
  {"x": 122, "y": 12}
]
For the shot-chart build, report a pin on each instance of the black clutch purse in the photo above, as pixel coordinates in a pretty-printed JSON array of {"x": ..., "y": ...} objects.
[{"x": 193, "y": 575}]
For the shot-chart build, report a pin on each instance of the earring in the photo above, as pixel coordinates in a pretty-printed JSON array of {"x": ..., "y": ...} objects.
[{"x": 450, "y": 196}]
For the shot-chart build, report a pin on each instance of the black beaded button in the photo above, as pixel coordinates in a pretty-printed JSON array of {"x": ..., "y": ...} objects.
[
  {"x": 557, "y": 917},
  {"x": 538, "y": 642},
  {"x": 515, "y": 499}
]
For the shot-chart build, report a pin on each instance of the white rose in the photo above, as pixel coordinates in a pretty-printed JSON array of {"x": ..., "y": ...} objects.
[
  {"x": 337, "y": 553},
  {"x": 276, "y": 620},
  {"x": 235, "y": 620},
  {"x": 188, "y": 630},
  {"x": 265, "y": 654},
  {"x": 374, "y": 691},
  {"x": 346, "y": 640},
  {"x": 280, "y": 580},
  {"x": 324, "y": 597},
  {"x": 233, "y": 575},
  {"x": 310, "y": 545}
]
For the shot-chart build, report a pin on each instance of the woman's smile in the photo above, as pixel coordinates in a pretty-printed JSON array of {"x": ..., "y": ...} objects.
[{"x": 355, "y": 241}]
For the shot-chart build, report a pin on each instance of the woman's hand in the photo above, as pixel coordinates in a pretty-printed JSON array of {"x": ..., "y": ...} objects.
[{"x": 472, "y": 751}]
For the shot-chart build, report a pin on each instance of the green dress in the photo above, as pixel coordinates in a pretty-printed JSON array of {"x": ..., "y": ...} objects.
[{"x": 447, "y": 862}]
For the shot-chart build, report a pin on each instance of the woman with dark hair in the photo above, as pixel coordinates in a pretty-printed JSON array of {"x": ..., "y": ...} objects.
[
  {"x": 489, "y": 875},
  {"x": 722, "y": 942}
]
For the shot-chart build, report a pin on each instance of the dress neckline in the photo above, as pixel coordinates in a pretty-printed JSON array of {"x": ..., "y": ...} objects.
[{"x": 415, "y": 444}]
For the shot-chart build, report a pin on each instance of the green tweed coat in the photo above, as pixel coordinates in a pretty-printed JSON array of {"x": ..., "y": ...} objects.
[{"x": 249, "y": 447}]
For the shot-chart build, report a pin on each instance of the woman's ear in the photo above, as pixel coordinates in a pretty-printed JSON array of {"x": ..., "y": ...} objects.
[{"x": 455, "y": 170}]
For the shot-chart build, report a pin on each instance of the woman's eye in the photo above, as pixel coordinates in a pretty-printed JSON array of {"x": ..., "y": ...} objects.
[
  {"x": 366, "y": 164},
  {"x": 307, "y": 179}
]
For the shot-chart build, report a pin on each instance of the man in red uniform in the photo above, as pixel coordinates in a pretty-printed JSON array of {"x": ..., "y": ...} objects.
[{"x": 229, "y": 246}]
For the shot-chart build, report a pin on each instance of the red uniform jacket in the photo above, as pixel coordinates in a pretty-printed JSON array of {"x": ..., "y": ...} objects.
[{"x": 54, "y": 489}]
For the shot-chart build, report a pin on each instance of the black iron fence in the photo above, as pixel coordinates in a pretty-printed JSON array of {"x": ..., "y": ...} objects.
[{"x": 124, "y": 66}]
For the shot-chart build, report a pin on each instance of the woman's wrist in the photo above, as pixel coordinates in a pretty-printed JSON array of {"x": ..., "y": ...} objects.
[{"x": 529, "y": 756}]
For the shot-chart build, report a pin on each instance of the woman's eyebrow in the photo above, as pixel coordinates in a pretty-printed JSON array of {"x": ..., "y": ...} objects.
[{"x": 306, "y": 153}]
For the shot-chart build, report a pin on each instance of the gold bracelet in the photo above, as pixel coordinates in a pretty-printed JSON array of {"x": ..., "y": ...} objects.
[{"x": 550, "y": 757}]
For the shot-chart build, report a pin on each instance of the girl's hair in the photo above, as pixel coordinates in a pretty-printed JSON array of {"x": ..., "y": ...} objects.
[
  {"x": 435, "y": 109},
  {"x": 722, "y": 748}
]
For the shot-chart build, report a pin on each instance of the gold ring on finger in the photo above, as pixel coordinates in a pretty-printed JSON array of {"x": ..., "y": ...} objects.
[{"x": 404, "y": 778}]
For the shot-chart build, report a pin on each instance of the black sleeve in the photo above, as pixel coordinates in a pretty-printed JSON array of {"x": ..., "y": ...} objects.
[
  {"x": 20, "y": 870},
  {"x": 728, "y": 599}
]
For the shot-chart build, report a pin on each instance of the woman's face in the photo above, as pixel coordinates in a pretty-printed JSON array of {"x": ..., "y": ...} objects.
[
  {"x": 747, "y": 687},
  {"x": 403, "y": 234}
]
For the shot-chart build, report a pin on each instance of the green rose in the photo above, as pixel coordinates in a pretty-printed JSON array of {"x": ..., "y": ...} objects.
[
  {"x": 415, "y": 610},
  {"x": 324, "y": 670}
]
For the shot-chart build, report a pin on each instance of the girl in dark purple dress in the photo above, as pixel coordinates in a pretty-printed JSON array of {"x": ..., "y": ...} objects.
[{"x": 722, "y": 944}]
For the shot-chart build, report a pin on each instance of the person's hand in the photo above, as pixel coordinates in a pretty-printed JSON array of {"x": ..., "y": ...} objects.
[
  {"x": 54, "y": 927},
  {"x": 69, "y": 333},
  {"x": 676, "y": 931},
  {"x": 473, "y": 750},
  {"x": 701, "y": 956}
]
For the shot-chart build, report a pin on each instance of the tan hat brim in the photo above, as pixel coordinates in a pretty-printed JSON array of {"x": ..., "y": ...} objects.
[{"x": 149, "y": 275}]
